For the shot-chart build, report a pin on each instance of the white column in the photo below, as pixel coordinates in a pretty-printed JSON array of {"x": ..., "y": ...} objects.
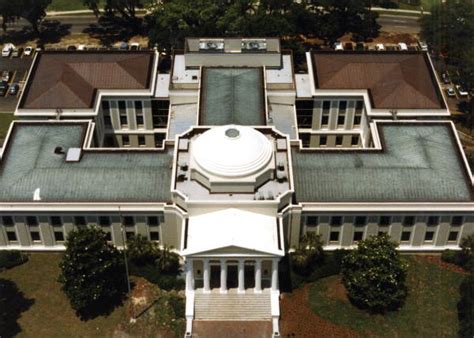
[
  {"x": 189, "y": 275},
  {"x": 275, "y": 274},
  {"x": 258, "y": 276},
  {"x": 206, "y": 276},
  {"x": 223, "y": 276},
  {"x": 241, "y": 277}
]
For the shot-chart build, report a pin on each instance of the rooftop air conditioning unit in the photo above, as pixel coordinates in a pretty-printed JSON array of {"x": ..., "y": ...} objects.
[
  {"x": 211, "y": 45},
  {"x": 254, "y": 45}
]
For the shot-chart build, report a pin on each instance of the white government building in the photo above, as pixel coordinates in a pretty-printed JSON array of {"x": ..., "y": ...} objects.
[{"x": 231, "y": 157}]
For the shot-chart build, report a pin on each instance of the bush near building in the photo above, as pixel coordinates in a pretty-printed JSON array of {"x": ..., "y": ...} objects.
[
  {"x": 374, "y": 275},
  {"x": 10, "y": 258},
  {"x": 308, "y": 254},
  {"x": 463, "y": 258},
  {"x": 92, "y": 273}
]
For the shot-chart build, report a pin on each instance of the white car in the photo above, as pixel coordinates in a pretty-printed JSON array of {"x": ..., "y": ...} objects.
[
  {"x": 380, "y": 47},
  {"x": 338, "y": 46},
  {"x": 450, "y": 91},
  {"x": 461, "y": 91},
  {"x": 402, "y": 46},
  {"x": 423, "y": 46},
  {"x": 135, "y": 46},
  {"x": 28, "y": 51},
  {"x": 81, "y": 47},
  {"x": 7, "y": 49}
]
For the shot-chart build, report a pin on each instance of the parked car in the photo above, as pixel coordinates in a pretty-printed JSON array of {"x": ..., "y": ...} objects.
[
  {"x": 423, "y": 46},
  {"x": 17, "y": 52},
  {"x": 338, "y": 46},
  {"x": 28, "y": 51},
  {"x": 461, "y": 91},
  {"x": 81, "y": 47},
  {"x": 445, "y": 78},
  {"x": 359, "y": 46},
  {"x": 135, "y": 46},
  {"x": 402, "y": 46},
  {"x": 3, "y": 88},
  {"x": 5, "y": 75},
  {"x": 450, "y": 91},
  {"x": 123, "y": 46},
  {"x": 380, "y": 47},
  {"x": 7, "y": 49},
  {"x": 14, "y": 89}
]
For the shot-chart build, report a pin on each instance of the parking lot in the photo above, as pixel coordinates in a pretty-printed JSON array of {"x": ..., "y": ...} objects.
[{"x": 18, "y": 70}]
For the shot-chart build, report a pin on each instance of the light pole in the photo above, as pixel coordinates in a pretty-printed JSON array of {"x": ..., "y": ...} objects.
[{"x": 124, "y": 250}]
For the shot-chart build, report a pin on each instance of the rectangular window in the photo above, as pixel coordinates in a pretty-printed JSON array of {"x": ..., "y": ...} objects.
[
  {"x": 406, "y": 235},
  {"x": 360, "y": 220},
  {"x": 334, "y": 236},
  {"x": 122, "y": 105},
  {"x": 153, "y": 221},
  {"x": 358, "y": 107},
  {"x": 154, "y": 235},
  {"x": 11, "y": 235},
  {"x": 305, "y": 138},
  {"x": 140, "y": 122},
  {"x": 138, "y": 107},
  {"x": 342, "y": 107},
  {"x": 58, "y": 234},
  {"x": 35, "y": 236},
  {"x": 357, "y": 119},
  {"x": 336, "y": 220},
  {"x": 80, "y": 220},
  {"x": 323, "y": 140},
  {"x": 141, "y": 140},
  {"x": 429, "y": 236},
  {"x": 312, "y": 221},
  {"x": 355, "y": 140},
  {"x": 409, "y": 220},
  {"x": 104, "y": 221},
  {"x": 339, "y": 140},
  {"x": 31, "y": 220},
  {"x": 124, "y": 121},
  {"x": 106, "y": 107},
  {"x": 56, "y": 221},
  {"x": 125, "y": 140},
  {"x": 453, "y": 236},
  {"x": 128, "y": 221},
  {"x": 385, "y": 220},
  {"x": 7, "y": 220},
  {"x": 358, "y": 235},
  {"x": 324, "y": 121},
  {"x": 433, "y": 220},
  {"x": 129, "y": 234},
  {"x": 326, "y": 107},
  {"x": 107, "y": 121},
  {"x": 457, "y": 221},
  {"x": 159, "y": 113},
  {"x": 159, "y": 139},
  {"x": 304, "y": 113},
  {"x": 341, "y": 120}
]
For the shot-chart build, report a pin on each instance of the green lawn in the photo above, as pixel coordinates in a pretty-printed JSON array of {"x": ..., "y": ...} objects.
[
  {"x": 430, "y": 309},
  {"x": 5, "y": 120},
  {"x": 50, "y": 314},
  {"x": 66, "y": 5}
]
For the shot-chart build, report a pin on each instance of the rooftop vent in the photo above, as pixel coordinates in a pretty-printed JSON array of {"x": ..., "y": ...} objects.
[
  {"x": 254, "y": 45},
  {"x": 59, "y": 150},
  {"x": 36, "y": 195},
  {"x": 73, "y": 155}
]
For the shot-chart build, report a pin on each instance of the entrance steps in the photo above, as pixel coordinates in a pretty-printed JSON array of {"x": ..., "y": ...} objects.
[{"x": 232, "y": 306}]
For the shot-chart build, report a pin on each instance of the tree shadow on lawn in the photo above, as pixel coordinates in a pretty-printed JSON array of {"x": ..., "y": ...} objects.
[
  {"x": 51, "y": 31},
  {"x": 12, "y": 304},
  {"x": 111, "y": 29}
]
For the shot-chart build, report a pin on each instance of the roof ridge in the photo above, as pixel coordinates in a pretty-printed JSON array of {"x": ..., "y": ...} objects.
[{"x": 127, "y": 69}]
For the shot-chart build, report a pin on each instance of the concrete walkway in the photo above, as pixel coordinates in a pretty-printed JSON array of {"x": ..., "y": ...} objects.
[{"x": 221, "y": 329}]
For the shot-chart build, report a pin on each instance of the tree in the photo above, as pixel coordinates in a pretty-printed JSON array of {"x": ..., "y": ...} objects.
[
  {"x": 308, "y": 254},
  {"x": 374, "y": 275},
  {"x": 467, "y": 252},
  {"x": 168, "y": 261},
  {"x": 92, "y": 273},
  {"x": 10, "y": 12},
  {"x": 141, "y": 251},
  {"x": 34, "y": 12}
]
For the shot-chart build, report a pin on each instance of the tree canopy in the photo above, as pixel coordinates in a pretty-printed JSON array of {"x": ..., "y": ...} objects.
[{"x": 33, "y": 11}]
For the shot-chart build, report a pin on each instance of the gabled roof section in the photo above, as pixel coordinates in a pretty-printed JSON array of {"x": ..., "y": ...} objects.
[
  {"x": 70, "y": 80},
  {"x": 395, "y": 80}
]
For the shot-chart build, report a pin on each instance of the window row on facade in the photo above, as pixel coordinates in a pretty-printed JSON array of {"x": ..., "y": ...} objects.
[
  {"x": 155, "y": 140},
  {"x": 333, "y": 140}
]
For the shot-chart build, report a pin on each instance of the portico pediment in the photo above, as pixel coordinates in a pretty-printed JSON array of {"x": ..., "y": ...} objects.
[{"x": 231, "y": 250}]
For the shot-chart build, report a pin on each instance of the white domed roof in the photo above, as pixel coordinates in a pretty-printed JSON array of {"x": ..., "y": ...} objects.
[{"x": 232, "y": 151}]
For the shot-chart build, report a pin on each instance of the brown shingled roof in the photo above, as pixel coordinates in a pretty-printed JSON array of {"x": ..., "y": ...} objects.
[
  {"x": 70, "y": 79},
  {"x": 394, "y": 79}
]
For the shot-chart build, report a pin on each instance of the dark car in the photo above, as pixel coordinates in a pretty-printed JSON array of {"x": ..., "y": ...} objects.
[
  {"x": 3, "y": 88},
  {"x": 359, "y": 46},
  {"x": 17, "y": 52},
  {"x": 14, "y": 89},
  {"x": 445, "y": 78}
]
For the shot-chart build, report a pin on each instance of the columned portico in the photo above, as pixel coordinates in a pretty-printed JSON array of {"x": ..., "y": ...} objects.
[
  {"x": 241, "y": 288},
  {"x": 223, "y": 288}
]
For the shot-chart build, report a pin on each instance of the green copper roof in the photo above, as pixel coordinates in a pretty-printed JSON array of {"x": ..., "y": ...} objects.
[
  {"x": 418, "y": 163},
  {"x": 112, "y": 176},
  {"x": 232, "y": 96}
]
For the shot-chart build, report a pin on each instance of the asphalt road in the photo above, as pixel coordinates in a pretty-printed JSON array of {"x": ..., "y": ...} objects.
[
  {"x": 389, "y": 23},
  {"x": 399, "y": 24}
]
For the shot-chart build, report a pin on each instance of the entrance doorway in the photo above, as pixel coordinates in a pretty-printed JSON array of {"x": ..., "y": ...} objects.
[
  {"x": 232, "y": 276},
  {"x": 249, "y": 275},
  {"x": 215, "y": 282}
]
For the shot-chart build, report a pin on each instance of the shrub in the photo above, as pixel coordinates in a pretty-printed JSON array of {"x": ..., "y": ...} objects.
[
  {"x": 449, "y": 256},
  {"x": 308, "y": 254},
  {"x": 466, "y": 307},
  {"x": 168, "y": 261},
  {"x": 467, "y": 252},
  {"x": 92, "y": 273},
  {"x": 374, "y": 275},
  {"x": 141, "y": 251},
  {"x": 11, "y": 258}
]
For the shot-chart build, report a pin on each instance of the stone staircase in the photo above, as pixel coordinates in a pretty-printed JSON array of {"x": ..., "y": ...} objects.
[{"x": 232, "y": 306}]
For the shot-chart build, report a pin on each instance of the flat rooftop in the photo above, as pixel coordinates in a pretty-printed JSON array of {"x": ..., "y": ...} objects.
[
  {"x": 232, "y": 96},
  {"x": 70, "y": 80},
  {"x": 29, "y": 162},
  {"x": 417, "y": 163},
  {"x": 395, "y": 80}
]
